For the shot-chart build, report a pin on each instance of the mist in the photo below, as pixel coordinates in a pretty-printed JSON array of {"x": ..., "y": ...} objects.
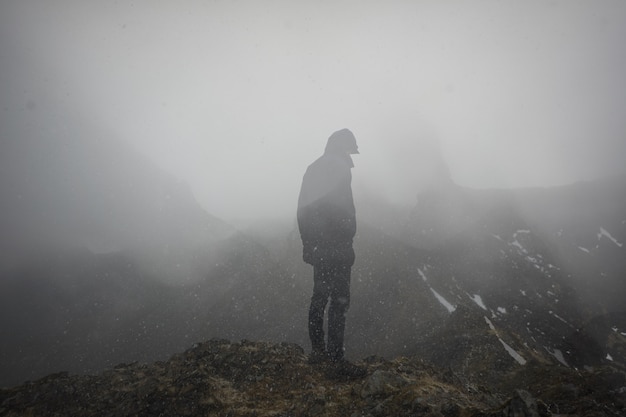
[
  {"x": 237, "y": 99},
  {"x": 151, "y": 156}
]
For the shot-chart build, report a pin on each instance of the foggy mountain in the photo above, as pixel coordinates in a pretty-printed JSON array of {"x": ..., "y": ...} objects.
[
  {"x": 511, "y": 260},
  {"x": 101, "y": 254},
  {"x": 581, "y": 227},
  {"x": 87, "y": 190},
  {"x": 479, "y": 281}
]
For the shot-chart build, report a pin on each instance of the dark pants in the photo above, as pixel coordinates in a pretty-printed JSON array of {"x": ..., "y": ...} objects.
[{"x": 330, "y": 281}]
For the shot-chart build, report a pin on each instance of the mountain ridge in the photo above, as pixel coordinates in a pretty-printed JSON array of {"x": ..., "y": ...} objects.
[{"x": 223, "y": 378}]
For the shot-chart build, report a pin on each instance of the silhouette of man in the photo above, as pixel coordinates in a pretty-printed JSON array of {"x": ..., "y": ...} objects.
[{"x": 327, "y": 223}]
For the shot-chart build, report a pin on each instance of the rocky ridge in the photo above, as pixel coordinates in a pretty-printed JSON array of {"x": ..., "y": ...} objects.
[{"x": 221, "y": 378}]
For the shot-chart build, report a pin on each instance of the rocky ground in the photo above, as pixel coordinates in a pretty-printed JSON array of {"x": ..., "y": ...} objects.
[{"x": 220, "y": 378}]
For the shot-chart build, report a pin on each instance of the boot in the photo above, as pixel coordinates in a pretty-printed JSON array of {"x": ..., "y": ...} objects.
[
  {"x": 318, "y": 357},
  {"x": 342, "y": 370}
]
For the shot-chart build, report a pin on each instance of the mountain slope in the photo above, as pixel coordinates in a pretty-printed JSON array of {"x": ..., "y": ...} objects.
[
  {"x": 509, "y": 261},
  {"x": 81, "y": 312},
  {"x": 81, "y": 187}
]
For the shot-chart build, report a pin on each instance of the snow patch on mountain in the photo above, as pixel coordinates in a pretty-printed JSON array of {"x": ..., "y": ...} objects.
[
  {"x": 516, "y": 242},
  {"x": 478, "y": 300},
  {"x": 606, "y": 234},
  {"x": 449, "y": 306},
  {"x": 512, "y": 352},
  {"x": 519, "y": 246},
  {"x": 443, "y": 301},
  {"x": 558, "y": 355},
  {"x": 561, "y": 318},
  {"x": 531, "y": 259},
  {"x": 419, "y": 271}
]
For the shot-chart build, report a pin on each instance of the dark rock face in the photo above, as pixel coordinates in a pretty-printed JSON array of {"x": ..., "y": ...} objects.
[{"x": 220, "y": 378}]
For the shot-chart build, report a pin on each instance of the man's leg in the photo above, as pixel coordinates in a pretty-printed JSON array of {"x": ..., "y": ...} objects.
[
  {"x": 321, "y": 292},
  {"x": 339, "y": 303}
]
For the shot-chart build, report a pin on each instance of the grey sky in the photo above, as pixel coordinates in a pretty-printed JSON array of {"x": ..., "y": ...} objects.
[{"x": 237, "y": 98}]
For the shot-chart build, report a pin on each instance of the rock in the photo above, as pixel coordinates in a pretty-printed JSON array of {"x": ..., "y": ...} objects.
[
  {"x": 382, "y": 383},
  {"x": 523, "y": 404}
]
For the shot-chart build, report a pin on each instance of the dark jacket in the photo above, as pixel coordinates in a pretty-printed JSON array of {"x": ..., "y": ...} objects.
[{"x": 326, "y": 215}]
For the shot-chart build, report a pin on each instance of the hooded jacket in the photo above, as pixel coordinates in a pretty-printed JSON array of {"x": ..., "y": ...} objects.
[{"x": 326, "y": 214}]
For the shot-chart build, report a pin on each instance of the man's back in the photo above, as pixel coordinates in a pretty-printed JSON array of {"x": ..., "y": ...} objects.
[{"x": 326, "y": 214}]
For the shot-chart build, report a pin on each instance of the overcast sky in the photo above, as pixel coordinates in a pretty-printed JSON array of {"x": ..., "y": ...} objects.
[{"x": 238, "y": 97}]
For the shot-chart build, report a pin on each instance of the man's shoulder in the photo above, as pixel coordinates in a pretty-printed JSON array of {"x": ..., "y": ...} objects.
[{"x": 329, "y": 163}]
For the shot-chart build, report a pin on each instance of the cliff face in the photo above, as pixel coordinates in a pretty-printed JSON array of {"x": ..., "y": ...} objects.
[{"x": 220, "y": 378}]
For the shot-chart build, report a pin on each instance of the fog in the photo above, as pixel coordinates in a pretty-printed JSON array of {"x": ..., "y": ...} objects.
[
  {"x": 237, "y": 98},
  {"x": 152, "y": 152}
]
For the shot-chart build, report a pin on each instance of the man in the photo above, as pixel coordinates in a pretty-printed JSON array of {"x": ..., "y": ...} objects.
[{"x": 327, "y": 223}]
